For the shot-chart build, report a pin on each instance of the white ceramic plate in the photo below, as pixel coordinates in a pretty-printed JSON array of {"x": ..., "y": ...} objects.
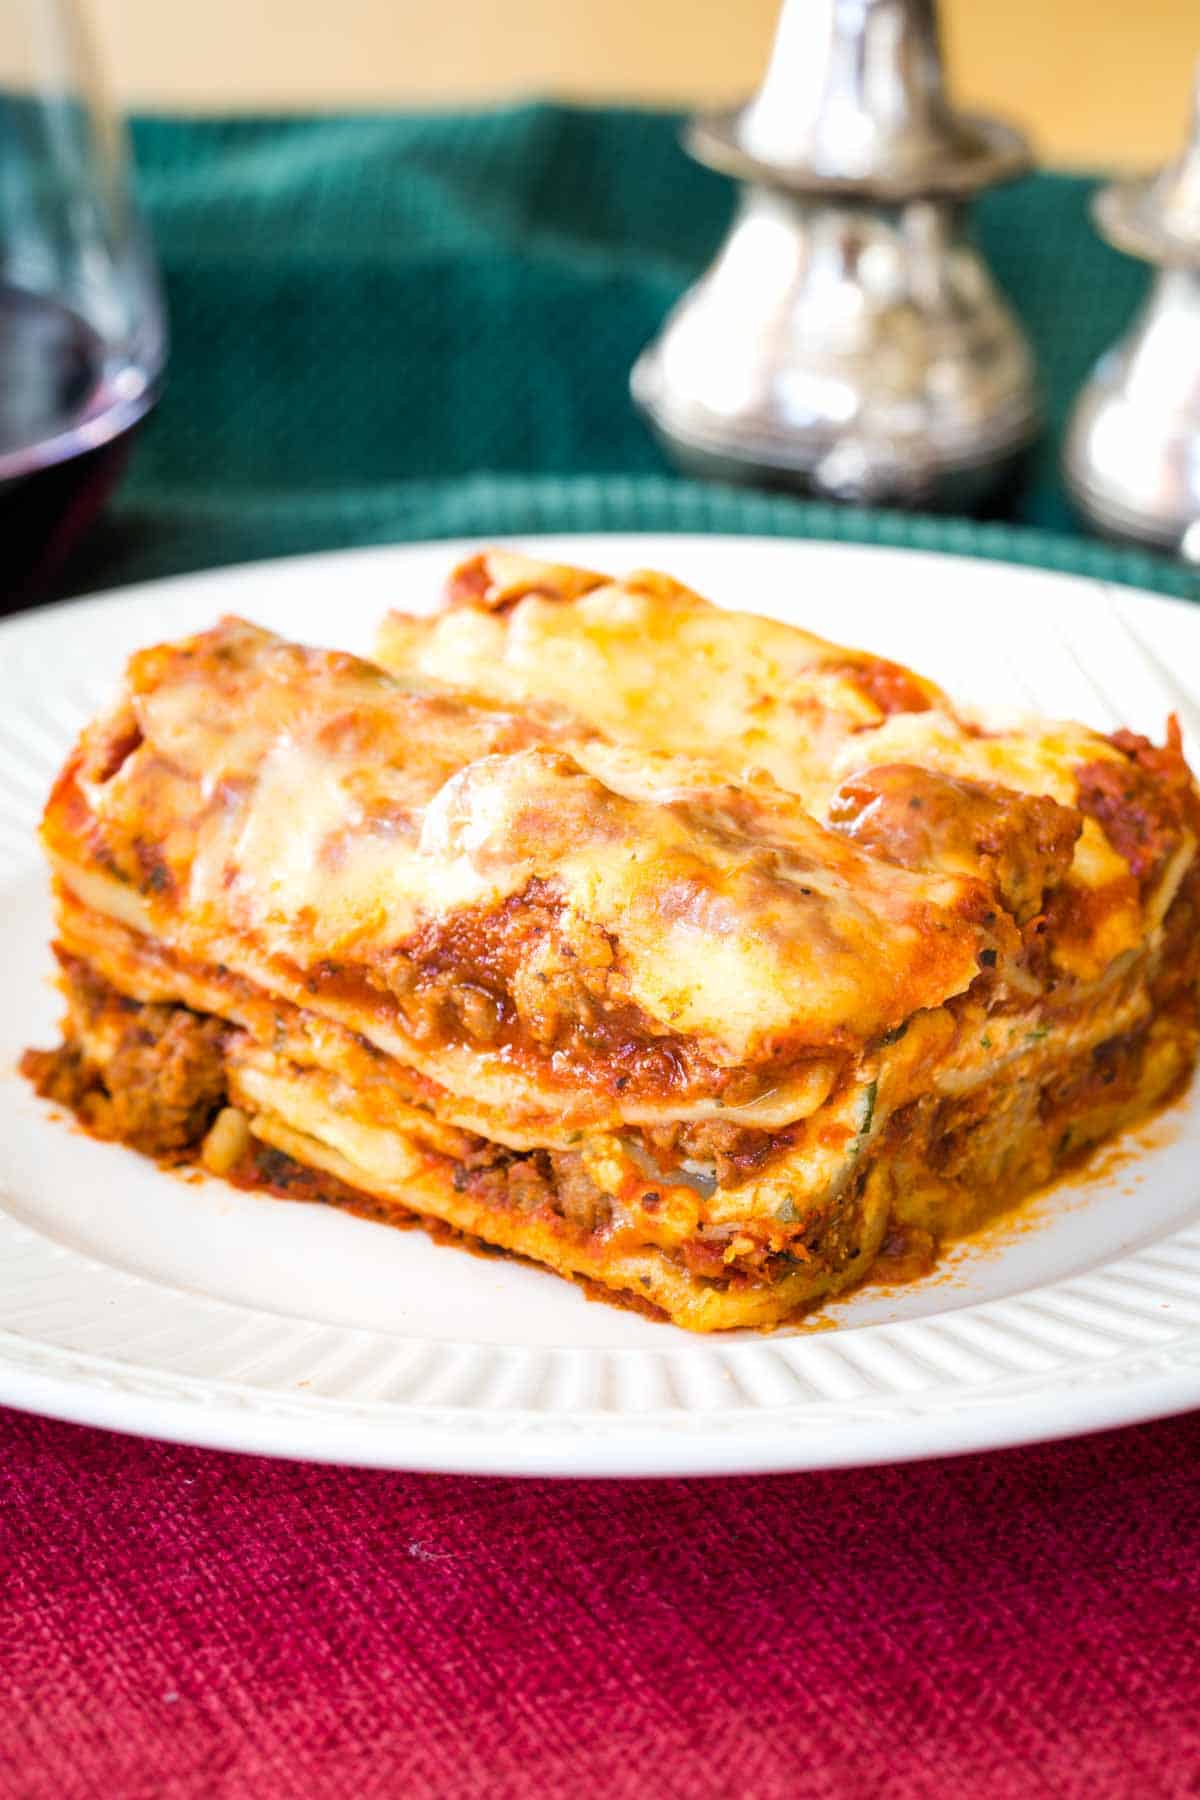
[{"x": 136, "y": 1299}]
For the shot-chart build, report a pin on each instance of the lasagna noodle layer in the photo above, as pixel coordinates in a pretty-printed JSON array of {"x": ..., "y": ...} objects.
[{"x": 933, "y": 1168}]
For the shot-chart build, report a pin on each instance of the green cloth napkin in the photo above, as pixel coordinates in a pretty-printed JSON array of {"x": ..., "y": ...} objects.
[{"x": 410, "y": 327}]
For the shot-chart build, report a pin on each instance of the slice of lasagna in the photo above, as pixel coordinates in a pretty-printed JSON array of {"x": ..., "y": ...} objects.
[{"x": 608, "y": 997}]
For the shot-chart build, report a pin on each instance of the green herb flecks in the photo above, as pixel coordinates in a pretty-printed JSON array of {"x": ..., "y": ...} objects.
[{"x": 866, "y": 1118}]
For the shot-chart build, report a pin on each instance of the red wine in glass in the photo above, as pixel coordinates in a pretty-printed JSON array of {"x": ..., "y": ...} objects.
[
  {"x": 82, "y": 332},
  {"x": 69, "y": 404}
]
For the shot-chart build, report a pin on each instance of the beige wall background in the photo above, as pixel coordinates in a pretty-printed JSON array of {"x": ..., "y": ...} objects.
[{"x": 1098, "y": 81}]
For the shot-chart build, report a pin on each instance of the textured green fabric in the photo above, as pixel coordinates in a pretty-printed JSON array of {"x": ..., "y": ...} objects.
[{"x": 389, "y": 328}]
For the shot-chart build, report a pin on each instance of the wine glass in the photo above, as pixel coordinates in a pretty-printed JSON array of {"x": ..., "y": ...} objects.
[{"x": 82, "y": 331}]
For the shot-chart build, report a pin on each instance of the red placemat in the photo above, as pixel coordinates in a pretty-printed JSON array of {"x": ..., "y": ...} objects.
[{"x": 176, "y": 1622}]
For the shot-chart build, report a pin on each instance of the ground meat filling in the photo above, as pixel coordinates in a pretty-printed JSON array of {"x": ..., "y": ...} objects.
[
  {"x": 539, "y": 1181},
  {"x": 160, "y": 1086},
  {"x": 1021, "y": 844},
  {"x": 1144, "y": 803},
  {"x": 736, "y": 1152},
  {"x": 162, "y": 1083},
  {"x": 506, "y": 980}
]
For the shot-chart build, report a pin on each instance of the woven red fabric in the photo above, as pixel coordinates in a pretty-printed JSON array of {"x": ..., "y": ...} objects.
[{"x": 178, "y": 1623}]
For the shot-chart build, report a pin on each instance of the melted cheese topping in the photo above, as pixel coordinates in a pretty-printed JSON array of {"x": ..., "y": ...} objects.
[
  {"x": 648, "y": 662},
  {"x": 1040, "y": 759},
  {"x": 295, "y": 812},
  {"x": 653, "y": 665}
]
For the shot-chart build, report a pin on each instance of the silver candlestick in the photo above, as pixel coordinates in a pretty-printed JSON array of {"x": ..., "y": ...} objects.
[
  {"x": 848, "y": 339},
  {"x": 1132, "y": 457}
]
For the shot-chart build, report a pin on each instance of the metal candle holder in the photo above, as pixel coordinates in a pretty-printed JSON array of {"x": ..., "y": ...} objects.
[
  {"x": 1132, "y": 458},
  {"x": 848, "y": 339}
]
